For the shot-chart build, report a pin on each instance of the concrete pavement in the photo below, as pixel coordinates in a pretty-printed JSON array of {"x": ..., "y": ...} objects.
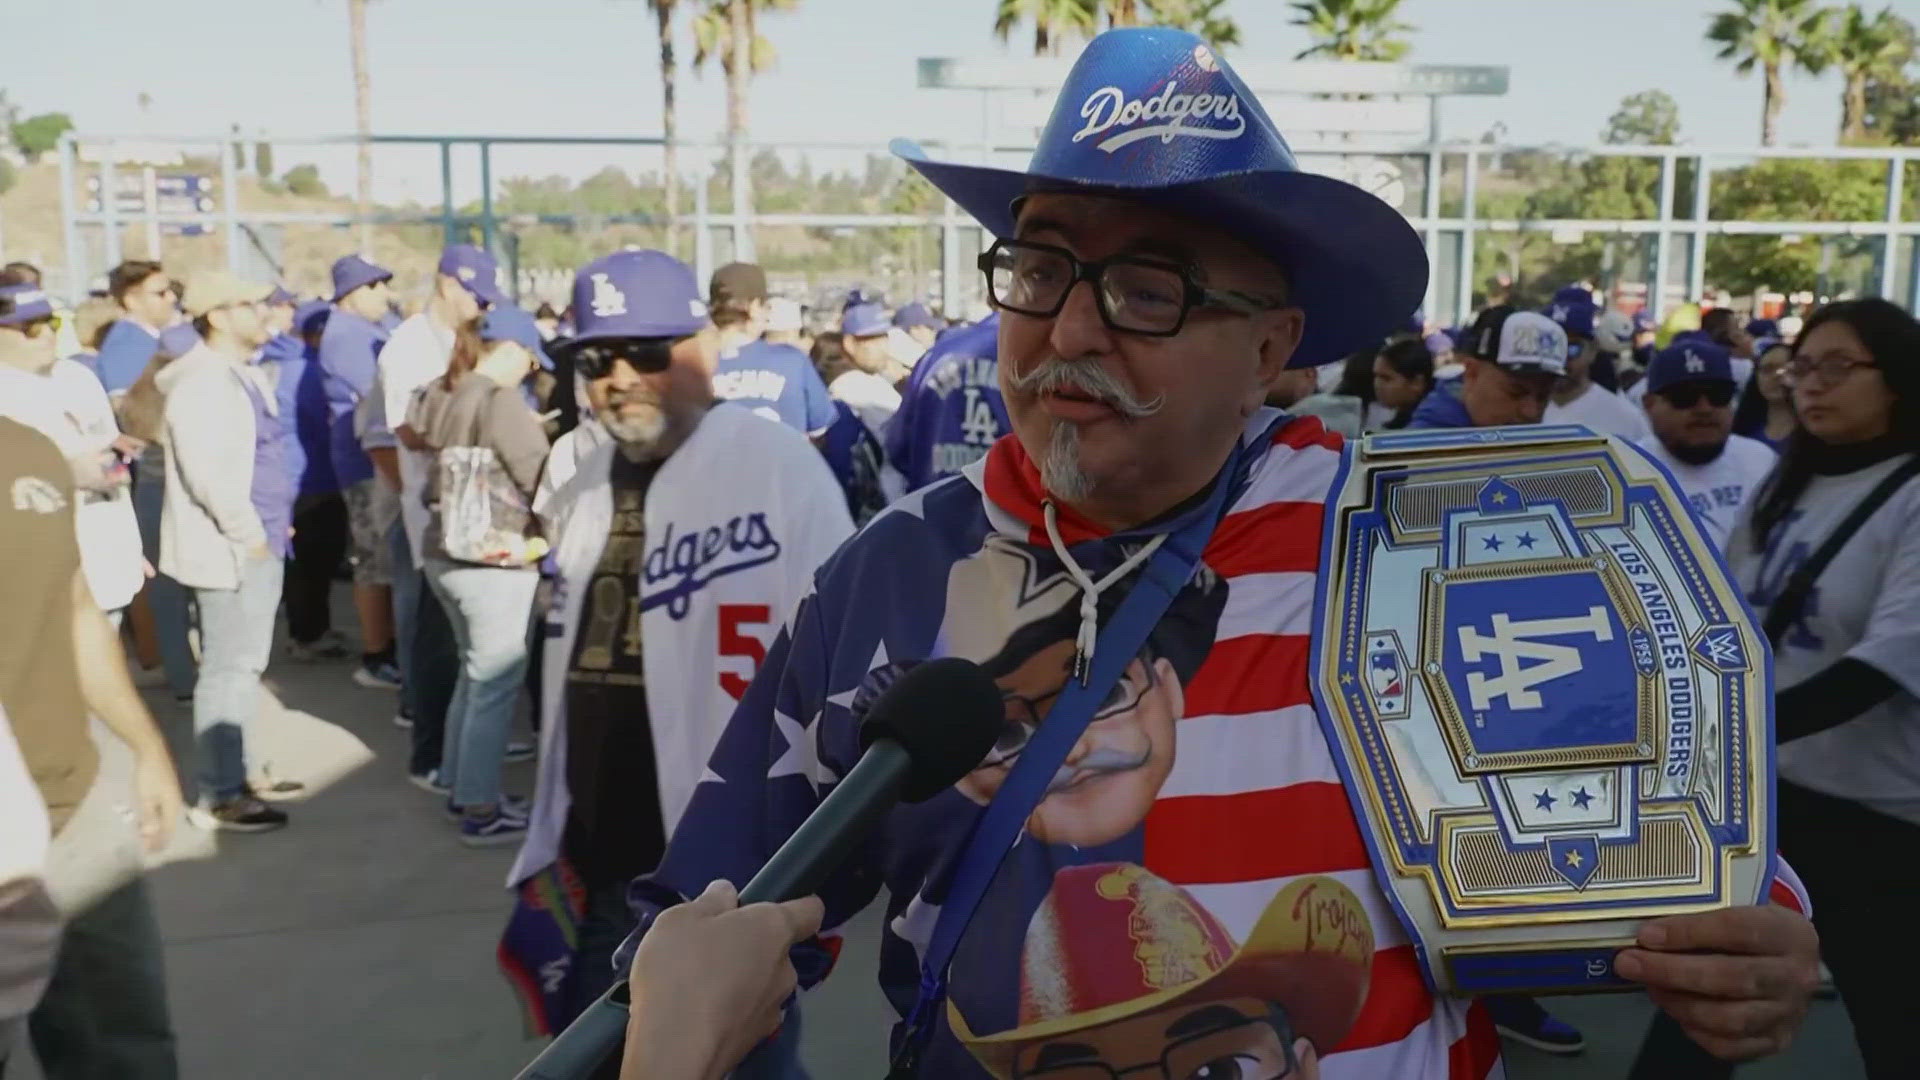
[{"x": 359, "y": 942}]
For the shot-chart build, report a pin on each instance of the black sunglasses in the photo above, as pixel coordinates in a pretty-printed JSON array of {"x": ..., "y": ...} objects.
[
  {"x": 646, "y": 356},
  {"x": 1686, "y": 395}
]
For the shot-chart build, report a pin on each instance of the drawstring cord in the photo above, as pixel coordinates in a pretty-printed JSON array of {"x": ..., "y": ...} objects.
[{"x": 1090, "y": 590}]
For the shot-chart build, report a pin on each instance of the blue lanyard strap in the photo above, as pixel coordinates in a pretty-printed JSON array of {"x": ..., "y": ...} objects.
[{"x": 997, "y": 827}]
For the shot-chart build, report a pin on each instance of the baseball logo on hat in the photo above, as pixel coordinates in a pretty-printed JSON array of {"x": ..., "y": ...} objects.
[
  {"x": 607, "y": 298},
  {"x": 1203, "y": 59},
  {"x": 1109, "y": 107},
  {"x": 1695, "y": 365}
]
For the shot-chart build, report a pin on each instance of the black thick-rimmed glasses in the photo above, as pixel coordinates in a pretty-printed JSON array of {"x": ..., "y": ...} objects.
[
  {"x": 1135, "y": 294},
  {"x": 1827, "y": 371},
  {"x": 646, "y": 356},
  {"x": 1254, "y": 1048}
]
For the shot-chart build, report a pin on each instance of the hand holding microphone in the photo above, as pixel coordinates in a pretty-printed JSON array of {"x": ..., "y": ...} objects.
[
  {"x": 709, "y": 982},
  {"x": 924, "y": 733}
]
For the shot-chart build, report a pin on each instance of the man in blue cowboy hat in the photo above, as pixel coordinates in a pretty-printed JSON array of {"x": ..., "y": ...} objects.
[{"x": 1157, "y": 267}]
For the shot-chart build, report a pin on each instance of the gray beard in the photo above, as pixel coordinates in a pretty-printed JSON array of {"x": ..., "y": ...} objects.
[{"x": 1060, "y": 467}]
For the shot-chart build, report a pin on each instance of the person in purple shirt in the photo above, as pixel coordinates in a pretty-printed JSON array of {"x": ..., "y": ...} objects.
[
  {"x": 777, "y": 381},
  {"x": 349, "y": 349},
  {"x": 319, "y": 514},
  {"x": 145, "y": 295},
  {"x": 951, "y": 411}
]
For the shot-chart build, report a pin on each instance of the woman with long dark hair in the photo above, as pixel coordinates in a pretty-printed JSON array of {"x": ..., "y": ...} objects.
[
  {"x": 1765, "y": 411},
  {"x": 1402, "y": 375},
  {"x": 1847, "y": 668}
]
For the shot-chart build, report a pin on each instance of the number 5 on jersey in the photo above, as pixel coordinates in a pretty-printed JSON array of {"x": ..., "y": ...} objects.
[{"x": 734, "y": 643}]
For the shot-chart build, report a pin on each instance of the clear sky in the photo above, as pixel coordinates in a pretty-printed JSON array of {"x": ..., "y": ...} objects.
[{"x": 846, "y": 68}]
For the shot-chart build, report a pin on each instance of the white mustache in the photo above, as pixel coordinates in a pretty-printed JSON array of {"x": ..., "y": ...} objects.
[{"x": 1053, "y": 375}]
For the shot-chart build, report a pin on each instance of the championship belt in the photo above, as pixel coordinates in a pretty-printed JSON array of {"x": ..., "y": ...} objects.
[{"x": 1550, "y": 707}]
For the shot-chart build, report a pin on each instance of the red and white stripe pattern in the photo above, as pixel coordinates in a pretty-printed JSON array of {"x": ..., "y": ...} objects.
[{"x": 1254, "y": 799}]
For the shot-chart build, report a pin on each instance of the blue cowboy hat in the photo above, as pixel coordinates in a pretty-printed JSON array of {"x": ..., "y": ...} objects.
[{"x": 1156, "y": 117}]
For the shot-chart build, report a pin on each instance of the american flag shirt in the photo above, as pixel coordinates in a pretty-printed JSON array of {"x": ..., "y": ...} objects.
[{"x": 1245, "y": 800}]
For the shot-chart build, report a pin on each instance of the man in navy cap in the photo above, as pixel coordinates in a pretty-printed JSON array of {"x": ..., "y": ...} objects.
[
  {"x": 1157, "y": 266},
  {"x": 1577, "y": 399},
  {"x": 349, "y": 362},
  {"x": 1689, "y": 402},
  {"x": 466, "y": 283},
  {"x": 869, "y": 385},
  {"x": 681, "y": 543},
  {"x": 776, "y": 380},
  {"x": 919, "y": 323},
  {"x": 1512, "y": 359}
]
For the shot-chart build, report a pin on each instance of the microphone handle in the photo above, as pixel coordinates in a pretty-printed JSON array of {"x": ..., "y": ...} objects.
[{"x": 844, "y": 818}]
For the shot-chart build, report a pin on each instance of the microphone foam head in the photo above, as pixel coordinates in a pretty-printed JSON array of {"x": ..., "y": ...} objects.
[{"x": 945, "y": 714}]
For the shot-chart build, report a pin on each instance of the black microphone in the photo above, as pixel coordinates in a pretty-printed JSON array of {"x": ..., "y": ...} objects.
[{"x": 929, "y": 729}]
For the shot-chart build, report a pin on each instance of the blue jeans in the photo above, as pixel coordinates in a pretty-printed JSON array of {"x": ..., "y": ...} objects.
[
  {"x": 236, "y": 640},
  {"x": 406, "y": 604},
  {"x": 167, "y": 597},
  {"x": 488, "y": 608}
]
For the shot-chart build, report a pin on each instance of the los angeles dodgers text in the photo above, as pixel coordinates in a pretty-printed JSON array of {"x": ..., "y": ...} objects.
[
  {"x": 691, "y": 561},
  {"x": 1677, "y": 682}
]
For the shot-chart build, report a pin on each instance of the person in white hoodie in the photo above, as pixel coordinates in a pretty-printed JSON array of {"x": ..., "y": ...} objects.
[
  {"x": 64, "y": 401},
  {"x": 681, "y": 542},
  {"x": 225, "y": 530}
]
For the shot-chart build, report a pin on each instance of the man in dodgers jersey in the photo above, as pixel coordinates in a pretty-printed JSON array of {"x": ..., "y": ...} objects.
[
  {"x": 951, "y": 411},
  {"x": 1211, "y": 264}
]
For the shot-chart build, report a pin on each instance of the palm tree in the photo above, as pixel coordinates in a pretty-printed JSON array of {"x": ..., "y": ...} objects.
[
  {"x": 1053, "y": 21},
  {"x": 1202, "y": 17},
  {"x": 1865, "y": 50},
  {"x": 1353, "y": 29},
  {"x": 1772, "y": 35},
  {"x": 1126, "y": 12},
  {"x": 362, "y": 121},
  {"x": 669, "y": 118},
  {"x": 727, "y": 29}
]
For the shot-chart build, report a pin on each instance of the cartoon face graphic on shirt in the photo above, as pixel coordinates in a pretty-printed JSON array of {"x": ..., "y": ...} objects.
[
  {"x": 1011, "y": 610},
  {"x": 1123, "y": 974}
]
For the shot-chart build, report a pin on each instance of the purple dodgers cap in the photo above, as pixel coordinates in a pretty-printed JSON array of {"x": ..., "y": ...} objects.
[
  {"x": 21, "y": 304},
  {"x": 915, "y": 314},
  {"x": 352, "y": 272},
  {"x": 510, "y": 322},
  {"x": 864, "y": 320},
  {"x": 1155, "y": 116},
  {"x": 1573, "y": 308},
  {"x": 1689, "y": 362},
  {"x": 634, "y": 294},
  {"x": 476, "y": 269}
]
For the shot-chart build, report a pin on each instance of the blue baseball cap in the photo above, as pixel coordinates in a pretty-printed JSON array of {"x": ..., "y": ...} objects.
[
  {"x": 24, "y": 304},
  {"x": 475, "y": 268},
  {"x": 311, "y": 317},
  {"x": 1643, "y": 322},
  {"x": 861, "y": 294},
  {"x": 1689, "y": 362},
  {"x": 1763, "y": 328},
  {"x": 634, "y": 294},
  {"x": 864, "y": 320},
  {"x": 510, "y": 322},
  {"x": 352, "y": 272},
  {"x": 915, "y": 314},
  {"x": 1573, "y": 308},
  {"x": 1155, "y": 116},
  {"x": 281, "y": 295}
]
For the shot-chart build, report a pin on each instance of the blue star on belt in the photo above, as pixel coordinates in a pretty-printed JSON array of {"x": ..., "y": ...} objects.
[
  {"x": 1492, "y": 543},
  {"x": 1526, "y": 540},
  {"x": 1544, "y": 801},
  {"x": 1580, "y": 797}
]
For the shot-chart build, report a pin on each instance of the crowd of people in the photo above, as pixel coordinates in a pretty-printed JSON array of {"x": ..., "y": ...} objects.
[{"x": 699, "y": 529}]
